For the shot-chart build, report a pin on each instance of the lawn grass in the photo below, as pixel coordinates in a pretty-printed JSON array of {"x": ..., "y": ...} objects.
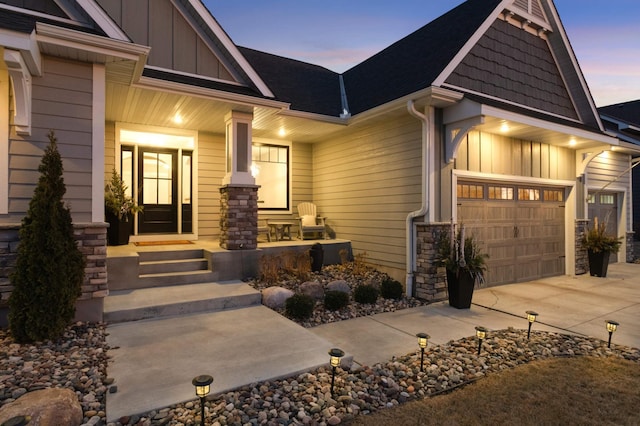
[{"x": 561, "y": 391}]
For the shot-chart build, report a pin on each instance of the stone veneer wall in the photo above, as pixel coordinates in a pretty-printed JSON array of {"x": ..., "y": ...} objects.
[
  {"x": 631, "y": 253},
  {"x": 582, "y": 259},
  {"x": 430, "y": 280},
  {"x": 92, "y": 242},
  {"x": 239, "y": 217}
]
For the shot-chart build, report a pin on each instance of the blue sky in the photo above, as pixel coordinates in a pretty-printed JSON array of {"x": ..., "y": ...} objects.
[{"x": 605, "y": 35}]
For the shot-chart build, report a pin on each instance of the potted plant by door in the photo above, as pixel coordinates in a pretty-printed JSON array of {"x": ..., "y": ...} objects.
[
  {"x": 599, "y": 247},
  {"x": 464, "y": 263},
  {"x": 119, "y": 210}
]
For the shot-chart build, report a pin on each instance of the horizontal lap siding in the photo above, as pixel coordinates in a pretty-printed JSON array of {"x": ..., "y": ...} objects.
[
  {"x": 62, "y": 102},
  {"x": 611, "y": 170},
  {"x": 211, "y": 171},
  {"x": 366, "y": 183}
]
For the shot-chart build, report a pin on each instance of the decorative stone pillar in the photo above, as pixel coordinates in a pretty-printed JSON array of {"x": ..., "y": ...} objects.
[
  {"x": 430, "y": 280},
  {"x": 239, "y": 217},
  {"x": 631, "y": 252},
  {"x": 582, "y": 258}
]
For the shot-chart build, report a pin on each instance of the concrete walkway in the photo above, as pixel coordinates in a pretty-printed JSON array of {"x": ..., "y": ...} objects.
[{"x": 154, "y": 361}]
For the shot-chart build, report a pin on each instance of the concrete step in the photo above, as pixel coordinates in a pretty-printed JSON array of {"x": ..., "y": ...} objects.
[
  {"x": 165, "y": 279},
  {"x": 146, "y": 303},
  {"x": 158, "y": 255},
  {"x": 173, "y": 265}
]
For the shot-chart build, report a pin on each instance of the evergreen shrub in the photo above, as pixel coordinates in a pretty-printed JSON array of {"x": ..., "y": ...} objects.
[
  {"x": 335, "y": 300},
  {"x": 299, "y": 306},
  {"x": 49, "y": 267},
  {"x": 391, "y": 289},
  {"x": 365, "y": 293}
]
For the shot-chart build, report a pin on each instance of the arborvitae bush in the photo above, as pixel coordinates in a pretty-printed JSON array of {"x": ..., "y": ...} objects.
[
  {"x": 365, "y": 293},
  {"x": 391, "y": 289},
  {"x": 299, "y": 306},
  {"x": 49, "y": 268},
  {"x": 334, "y": 300}
]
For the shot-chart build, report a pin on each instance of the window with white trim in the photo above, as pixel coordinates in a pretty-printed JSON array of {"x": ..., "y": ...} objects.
[{"x": 270, "y": 167}]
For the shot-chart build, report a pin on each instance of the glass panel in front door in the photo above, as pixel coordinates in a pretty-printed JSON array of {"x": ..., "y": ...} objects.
[{"x": 159, "y": 182}]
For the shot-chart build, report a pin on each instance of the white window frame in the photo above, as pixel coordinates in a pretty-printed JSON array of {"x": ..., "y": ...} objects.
[{"x": 289, "y": 145}]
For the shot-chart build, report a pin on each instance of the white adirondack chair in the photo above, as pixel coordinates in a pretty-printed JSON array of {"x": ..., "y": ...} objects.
[{"x": 310, "y": 222}]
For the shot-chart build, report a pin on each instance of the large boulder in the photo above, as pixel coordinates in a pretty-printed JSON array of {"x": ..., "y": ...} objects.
[
  {"x": 275, "y": 297},
  {"x": 46, "y": 407},
  {"x": 313, "y": 289},
  {"x": 339, "y": 285}
]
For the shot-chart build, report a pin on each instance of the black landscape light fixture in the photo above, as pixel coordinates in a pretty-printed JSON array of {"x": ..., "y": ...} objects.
[
  {"x": 611, "y": 327},
  {"x": 531, "y": 317},
  {"x": 481, "y": 333},
  {"x": 203, "y": 387},
  {"x": 422, "y": 342},
  {"x": 335, "y": 355}
]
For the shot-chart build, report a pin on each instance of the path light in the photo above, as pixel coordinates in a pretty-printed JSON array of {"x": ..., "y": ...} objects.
[
  {"x": 481, "y": 333},
  {"x": 611, "y": 327},
  {"x": 203, "y": 387},
  {"x": 531, "y": 316},
  {"x": 422, "y": 342},
  {"x": 335, "y": 354}
]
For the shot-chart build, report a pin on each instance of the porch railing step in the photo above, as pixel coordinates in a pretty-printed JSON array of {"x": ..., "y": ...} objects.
[{"x": 147, "y": 303}]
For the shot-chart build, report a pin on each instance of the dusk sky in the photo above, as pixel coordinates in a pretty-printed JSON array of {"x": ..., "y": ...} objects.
[{"x": 605, "y": 35}]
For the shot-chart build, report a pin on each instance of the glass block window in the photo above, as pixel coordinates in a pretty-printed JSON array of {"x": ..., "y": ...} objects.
[
  {"x": 500, "y": 193},
  {"x": 470, "y": 191}
]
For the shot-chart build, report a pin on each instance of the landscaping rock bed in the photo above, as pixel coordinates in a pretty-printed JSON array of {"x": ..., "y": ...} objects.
[{"x": 335, "y": 274}]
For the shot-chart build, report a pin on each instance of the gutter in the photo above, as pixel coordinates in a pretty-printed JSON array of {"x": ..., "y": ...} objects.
[{"x": 410, "y": 228}]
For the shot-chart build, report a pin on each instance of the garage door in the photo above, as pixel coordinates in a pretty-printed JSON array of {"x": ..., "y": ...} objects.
[
  {"x": 520, "y": 227},
  {"x": 604, "y": 206}
]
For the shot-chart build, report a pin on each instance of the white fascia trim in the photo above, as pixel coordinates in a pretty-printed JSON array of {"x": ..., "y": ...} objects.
[
  {"x": 97, "y": 142},
  {"x": 203, "y": 92},
  {"x": 21, "y": 79},
  {"x": 45, "y": 15},
  {"x": 439, "y": 81},
  {"x": 465, "y": 174},
  {"x": 89, "y": 42},
  {"x": 231, "y": 47},
  {"x": 103, "y": 20},
  {"x": 543, "y": 124},
  {"x": 27, "y": 44},
  {"x": 314, "y": 117}
]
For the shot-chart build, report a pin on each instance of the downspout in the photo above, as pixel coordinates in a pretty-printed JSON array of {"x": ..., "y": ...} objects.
[{"x": 410, "y": 229}]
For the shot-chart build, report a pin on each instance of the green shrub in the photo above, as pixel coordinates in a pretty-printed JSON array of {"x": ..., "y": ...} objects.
[
  {"x": 391, "y": 289},
  {"x": 334, "y": 300},
  {"x": 365, "y": 294},
  {"x": 49, "y": 267},
  {"x": 299, "y": 306}
]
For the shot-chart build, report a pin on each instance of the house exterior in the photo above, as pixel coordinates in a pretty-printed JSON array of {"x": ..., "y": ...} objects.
[{"x": 480, "y": 117}]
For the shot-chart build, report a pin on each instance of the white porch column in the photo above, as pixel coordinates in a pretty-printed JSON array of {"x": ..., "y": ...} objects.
[{"x": 238, "y": 138}]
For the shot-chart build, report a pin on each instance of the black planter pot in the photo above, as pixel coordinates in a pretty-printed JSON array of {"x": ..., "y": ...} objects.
[
  {"x": 119, "y": 231},
  {"x": 460, "y": 289},
  {"x": 598, "y": 263},
  {"x": 317, "y": 257}
]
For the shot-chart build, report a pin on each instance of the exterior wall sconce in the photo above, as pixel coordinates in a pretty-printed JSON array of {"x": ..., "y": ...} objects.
[
  {"x": 611, "y": 327},
  {"x": 203, "y": 387},
  {"x": 422, "y": 342},
  {"x": 531, "y": 316},
  {"x": 335, "y": 355},
  {"x": 481, "y": 334}
]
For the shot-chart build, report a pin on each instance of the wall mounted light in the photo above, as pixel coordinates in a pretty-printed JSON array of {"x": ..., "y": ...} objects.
[
  {"x": 203, "y": 387},
  {"x": 422, "y": 343},
  {"x": 335, "y": 355},
  {"x": 531, "y": 317},
  {"x": 611, "y": 327},
  {"x": 481, "y": 334}
]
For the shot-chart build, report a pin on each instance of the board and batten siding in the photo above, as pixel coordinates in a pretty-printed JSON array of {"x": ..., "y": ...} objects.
[
  {"x": 610, "y": 172},
  {"x": 366, "y": 183},
  {"x": 498, "y": 154},
  {"x": 174, "y": 42},
  {"x": 62, "y": 102}
]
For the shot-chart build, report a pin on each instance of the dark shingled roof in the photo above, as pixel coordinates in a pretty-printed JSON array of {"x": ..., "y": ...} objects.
[
  {"x": 414, "y": 62},
  {"x": 628, "y": 112},
  {"x": 307, "y": 87},
  {"x": 25, "y": 23}
]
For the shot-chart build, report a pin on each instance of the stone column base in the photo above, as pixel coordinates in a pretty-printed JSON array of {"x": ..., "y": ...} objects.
[{"x": 239, "y": 217}]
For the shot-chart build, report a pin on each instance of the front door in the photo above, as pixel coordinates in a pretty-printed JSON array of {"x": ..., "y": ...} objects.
[{"x": 158, "y": 183}]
